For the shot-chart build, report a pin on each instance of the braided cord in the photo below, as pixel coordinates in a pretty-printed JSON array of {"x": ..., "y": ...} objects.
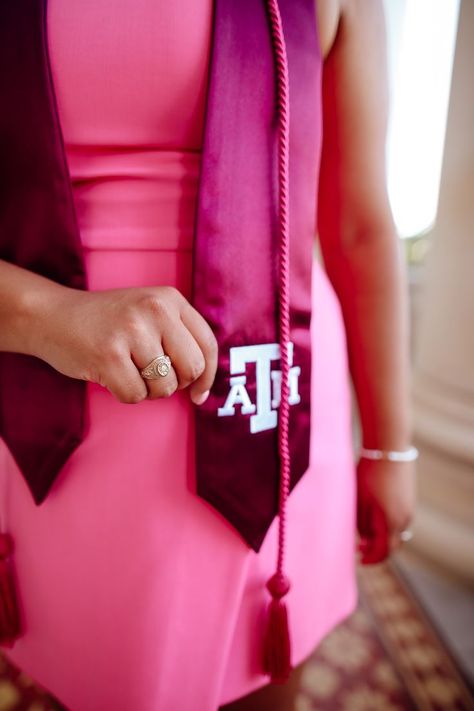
[{"x": 283, "y": 268}]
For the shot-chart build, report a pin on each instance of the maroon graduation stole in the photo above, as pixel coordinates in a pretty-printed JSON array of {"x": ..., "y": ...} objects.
[
  {"x": 253, "y": 251},
  {"x": 236, "y": 258}
]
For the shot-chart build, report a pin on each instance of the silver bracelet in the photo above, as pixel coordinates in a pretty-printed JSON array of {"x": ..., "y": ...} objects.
[{"x": 408, "y": 455}]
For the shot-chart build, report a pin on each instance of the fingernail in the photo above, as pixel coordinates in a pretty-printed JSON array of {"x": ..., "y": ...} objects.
[{"x": 199, "y": 399}]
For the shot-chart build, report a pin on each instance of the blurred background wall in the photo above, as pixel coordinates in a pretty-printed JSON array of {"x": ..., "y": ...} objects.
[
  {"x": 443, "y": 334},
  {"x": 430, "y": 172}
]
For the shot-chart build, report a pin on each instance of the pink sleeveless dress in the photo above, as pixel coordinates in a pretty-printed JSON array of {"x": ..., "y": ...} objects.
[{"x": 135, "y": 593}]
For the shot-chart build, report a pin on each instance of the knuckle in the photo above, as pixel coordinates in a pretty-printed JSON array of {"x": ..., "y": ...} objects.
[
  {"x": 212, "y": 345},
  {"x": 402, "y": 518},
  {"x": 135, "y": 397},
  {"x": 112, "y": 351},
  {"x": 155, "y": 306},
  {"x": 172, "y": 292},
  {"x": 401, "y": 521},
  {"x": 133, "y": 323},
  {"x": 169, "y": 388},
  {"x": 195, "y": 369},
  {"x": 130, "y": 397}
]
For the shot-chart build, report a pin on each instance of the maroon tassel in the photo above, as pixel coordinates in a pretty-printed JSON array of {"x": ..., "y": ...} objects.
[
  {"x": 277, "y": 646},
  {"x": 10, "y": 627}
]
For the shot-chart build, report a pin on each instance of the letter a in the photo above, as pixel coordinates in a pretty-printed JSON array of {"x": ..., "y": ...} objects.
[{"x": 238, "y": 395}]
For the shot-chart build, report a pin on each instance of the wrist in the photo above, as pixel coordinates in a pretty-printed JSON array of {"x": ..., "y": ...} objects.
[
  {"x": 396, "y": 435},
  {"x": 36, "y": 314}
]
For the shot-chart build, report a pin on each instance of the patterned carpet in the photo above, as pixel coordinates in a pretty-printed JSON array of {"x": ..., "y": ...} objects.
[{"x": 387, "y": 656}]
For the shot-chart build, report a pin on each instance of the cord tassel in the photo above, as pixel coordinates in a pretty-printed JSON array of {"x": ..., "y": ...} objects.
[
  {"x": 10, "y": 627},
  {"x": 277, "y": 644}
]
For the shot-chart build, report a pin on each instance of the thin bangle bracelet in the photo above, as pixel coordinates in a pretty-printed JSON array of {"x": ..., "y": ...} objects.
[{"x": 408, "y": 455}]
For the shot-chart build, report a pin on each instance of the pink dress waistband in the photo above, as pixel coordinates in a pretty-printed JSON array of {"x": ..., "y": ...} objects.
[{"x": 135, "y": 199}]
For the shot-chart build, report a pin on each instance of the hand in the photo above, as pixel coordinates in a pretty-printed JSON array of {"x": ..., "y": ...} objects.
[
  {"x": 386, "y": 496},
  {"x": 107, "y": 336}
]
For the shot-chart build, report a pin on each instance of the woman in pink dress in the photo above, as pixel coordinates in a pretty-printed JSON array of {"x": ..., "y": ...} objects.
[{"x": 116, "y": 614}]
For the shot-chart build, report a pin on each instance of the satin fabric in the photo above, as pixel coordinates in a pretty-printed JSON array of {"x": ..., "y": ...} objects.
[
  {"x": 38, "y": 231},
  {"x": 236, "y": 286},
  {"x": 235, "y": 246}
]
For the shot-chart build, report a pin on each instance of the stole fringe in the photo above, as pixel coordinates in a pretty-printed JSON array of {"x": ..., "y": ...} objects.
[{"x": 10, "y": 627}]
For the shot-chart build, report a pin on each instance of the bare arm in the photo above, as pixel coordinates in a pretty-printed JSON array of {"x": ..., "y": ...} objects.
[
  {"x": 362, "y": 255},
  {"x": 24, "y": 299},
  {"x": 358, "y": 238}
]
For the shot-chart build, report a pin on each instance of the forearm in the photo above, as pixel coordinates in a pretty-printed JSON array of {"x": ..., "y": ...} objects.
[
  {"x": 357, "y": 232},
  {"x": 24, "y": 301},
  {"x": 370, "y": 281}
]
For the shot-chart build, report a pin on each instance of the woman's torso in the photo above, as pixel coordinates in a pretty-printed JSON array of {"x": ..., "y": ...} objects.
[
  {"x": 131, "y": 98},
  {"x": 130, "y": 78}
]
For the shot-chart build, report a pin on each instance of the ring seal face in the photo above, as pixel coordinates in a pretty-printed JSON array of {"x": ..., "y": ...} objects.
[{"x": 159, "y": 367}]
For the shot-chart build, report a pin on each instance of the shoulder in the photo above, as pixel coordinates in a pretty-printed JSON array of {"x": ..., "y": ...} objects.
[
  {"x": 328, "y": 14},
  {"x": 352, "y": 14},
  {"x": 332, "y": 14}
]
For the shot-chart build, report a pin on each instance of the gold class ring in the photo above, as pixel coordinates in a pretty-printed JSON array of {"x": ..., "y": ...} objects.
[{"x": 159, "y": 367}]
